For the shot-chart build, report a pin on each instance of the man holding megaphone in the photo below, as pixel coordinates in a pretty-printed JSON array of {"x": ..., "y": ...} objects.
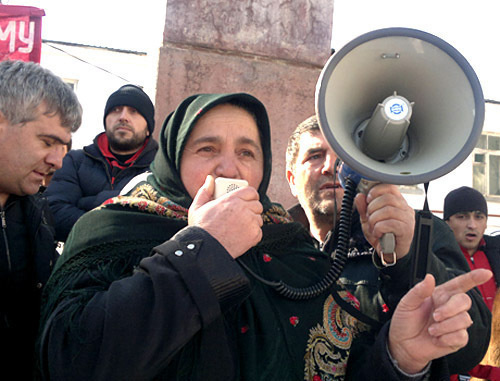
[{"x": 378, "y": 284}]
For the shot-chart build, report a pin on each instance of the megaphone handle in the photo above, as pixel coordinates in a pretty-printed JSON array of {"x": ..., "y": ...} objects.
[
  {"x": 388, "y": 240},
  {"x": 388, "y": 247}
]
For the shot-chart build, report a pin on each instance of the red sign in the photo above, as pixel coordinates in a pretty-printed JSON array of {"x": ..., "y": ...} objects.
[{"x": 20, "y": 33}]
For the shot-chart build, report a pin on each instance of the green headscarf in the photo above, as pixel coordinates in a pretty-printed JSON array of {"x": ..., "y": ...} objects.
[{"x": 175, "y": 133}]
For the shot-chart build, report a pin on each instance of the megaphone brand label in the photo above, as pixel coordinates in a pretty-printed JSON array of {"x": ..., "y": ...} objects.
[{"x": 396, "y": 109}]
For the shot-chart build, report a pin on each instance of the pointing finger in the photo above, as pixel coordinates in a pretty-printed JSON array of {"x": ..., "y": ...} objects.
[{"x": 465, "y": 282}]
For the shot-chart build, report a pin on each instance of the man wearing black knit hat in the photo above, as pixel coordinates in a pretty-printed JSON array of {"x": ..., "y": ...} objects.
[
  {"x": 100, "y": 170},
  {"x": 466, "y": 212}
]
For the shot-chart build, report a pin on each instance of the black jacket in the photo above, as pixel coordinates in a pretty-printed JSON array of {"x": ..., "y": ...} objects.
[
  {"x": 187, "y": 307},
  {"x": 27, "y": 257},
  {"x": 84, "y": 182}
]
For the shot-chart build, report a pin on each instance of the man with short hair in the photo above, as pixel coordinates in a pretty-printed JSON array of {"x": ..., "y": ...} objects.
[
  {"x": 99, "y": 171},
  {"x": 38, "y": 113},
  {"x": 466, "y": 212},
  {"x": 312, "y": 175}
]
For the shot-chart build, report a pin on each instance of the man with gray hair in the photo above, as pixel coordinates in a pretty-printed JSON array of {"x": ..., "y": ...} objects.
[{"x": 38, "y": 113}]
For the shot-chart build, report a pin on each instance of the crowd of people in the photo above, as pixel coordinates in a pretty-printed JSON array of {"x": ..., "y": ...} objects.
[{"x": 164, "y": 281}]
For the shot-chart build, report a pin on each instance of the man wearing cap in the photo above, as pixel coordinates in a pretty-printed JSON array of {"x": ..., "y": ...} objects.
[
  {"x": 100, "y": 170},
  {"x": 466, "y": 212}
]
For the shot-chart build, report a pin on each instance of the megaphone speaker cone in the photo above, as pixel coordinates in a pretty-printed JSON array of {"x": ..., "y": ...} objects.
[{"x": 447, "y": 105}]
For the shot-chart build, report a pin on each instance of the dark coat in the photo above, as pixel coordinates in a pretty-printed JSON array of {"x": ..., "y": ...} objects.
[
  {"x": 28, "y": 255},
  {"x": 84, "y": 182},
  {"x": 117, "y": 310}
]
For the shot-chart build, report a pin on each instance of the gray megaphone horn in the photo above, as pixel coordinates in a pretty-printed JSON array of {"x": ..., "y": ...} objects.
[
  {"x": 420, "y": 76},
  {"x": 400, "y": 106}
]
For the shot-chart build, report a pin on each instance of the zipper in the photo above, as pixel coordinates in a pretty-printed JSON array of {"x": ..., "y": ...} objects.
[{"x": 4, "y": 232}]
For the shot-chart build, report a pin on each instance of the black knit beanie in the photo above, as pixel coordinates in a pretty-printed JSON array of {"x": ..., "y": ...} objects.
[
  {"x": 464, "y": 199},
  {"x": 133, "y": 96}
]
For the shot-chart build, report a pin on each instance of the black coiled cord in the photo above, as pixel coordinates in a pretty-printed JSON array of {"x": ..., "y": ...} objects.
[{"x": 339, "y": 260}]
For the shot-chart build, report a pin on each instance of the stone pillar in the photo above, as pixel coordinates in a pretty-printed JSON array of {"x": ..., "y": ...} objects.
[{"x": 272, "y": 49}]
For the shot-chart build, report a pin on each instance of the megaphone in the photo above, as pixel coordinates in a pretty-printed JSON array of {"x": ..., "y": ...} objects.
[{"x": 400, "y": 106}]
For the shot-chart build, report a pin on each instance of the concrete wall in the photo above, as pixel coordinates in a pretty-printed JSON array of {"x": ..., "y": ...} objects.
[{"x": 272, "y": 49}]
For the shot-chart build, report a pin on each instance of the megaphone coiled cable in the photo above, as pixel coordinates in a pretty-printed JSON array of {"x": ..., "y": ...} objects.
[{"x": 339, "y": 258}]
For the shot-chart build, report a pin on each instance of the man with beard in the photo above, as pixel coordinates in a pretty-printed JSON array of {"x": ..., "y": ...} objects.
[
  {"x": 377, "y": 280},
  {"x": 100, "y": 170}
]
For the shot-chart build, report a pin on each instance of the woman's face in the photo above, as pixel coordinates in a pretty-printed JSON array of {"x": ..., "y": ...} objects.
[{"x": 224, "y": 142}]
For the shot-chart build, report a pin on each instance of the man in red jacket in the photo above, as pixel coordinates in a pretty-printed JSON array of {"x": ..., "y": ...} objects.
[{"x": 466, "y": 212}]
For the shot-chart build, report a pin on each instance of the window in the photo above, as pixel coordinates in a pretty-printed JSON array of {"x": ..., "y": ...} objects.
[
  {"x": 71, "y": 82},
  {"x": 486, "y": 165}
]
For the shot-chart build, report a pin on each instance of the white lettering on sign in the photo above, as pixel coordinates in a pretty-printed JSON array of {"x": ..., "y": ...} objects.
[
  {"x": 30, "y": 39},
  {"x": 9, "y": 34}
]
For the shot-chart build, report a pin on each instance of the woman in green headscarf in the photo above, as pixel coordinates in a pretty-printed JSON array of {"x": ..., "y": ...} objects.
[{"x": 168, "y": 283}]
